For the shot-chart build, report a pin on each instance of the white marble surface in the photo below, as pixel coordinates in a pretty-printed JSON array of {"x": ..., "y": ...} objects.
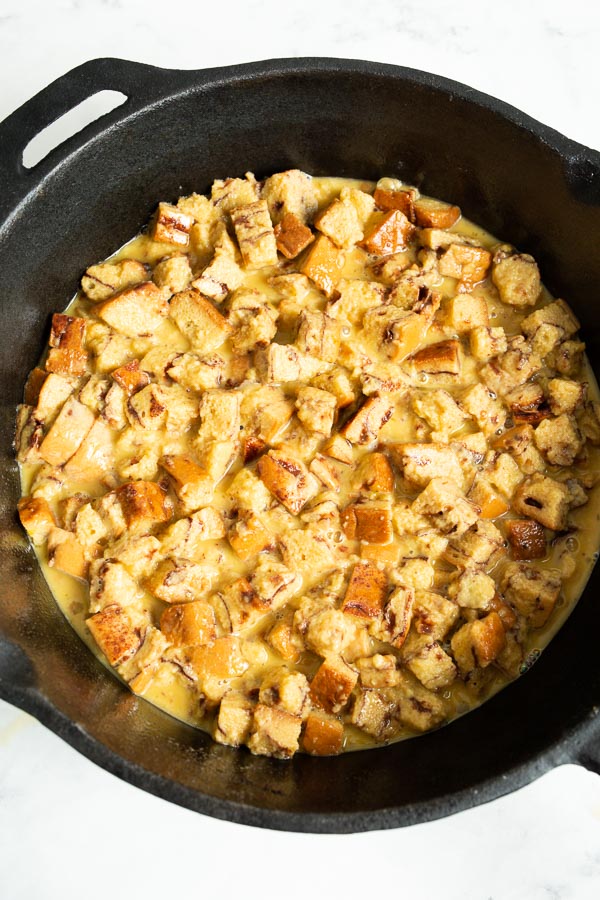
[{"x": 70, "y": 830}]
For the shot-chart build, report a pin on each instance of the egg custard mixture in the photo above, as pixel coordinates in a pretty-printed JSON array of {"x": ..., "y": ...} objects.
[{"x": 312, "y": 462}]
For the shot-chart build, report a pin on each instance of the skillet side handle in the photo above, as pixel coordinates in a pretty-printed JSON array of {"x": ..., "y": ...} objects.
[{"x": 137, "y": 81}]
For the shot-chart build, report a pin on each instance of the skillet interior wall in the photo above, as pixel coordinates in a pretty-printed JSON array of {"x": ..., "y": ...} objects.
[{"x": 344, "y": 123}]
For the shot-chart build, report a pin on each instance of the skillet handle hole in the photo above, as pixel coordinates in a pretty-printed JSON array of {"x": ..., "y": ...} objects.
[{"x": 70, "y": 124}]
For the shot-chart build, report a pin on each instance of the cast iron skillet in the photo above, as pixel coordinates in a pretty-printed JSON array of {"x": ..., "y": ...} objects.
[{"x": 177, "y": 131}]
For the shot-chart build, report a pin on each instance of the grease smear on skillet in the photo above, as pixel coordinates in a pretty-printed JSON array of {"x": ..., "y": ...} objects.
[{"x": 311, "y": 463}]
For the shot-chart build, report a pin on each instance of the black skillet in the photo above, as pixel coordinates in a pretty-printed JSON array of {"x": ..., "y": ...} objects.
[{"x": 177, "y": 131}]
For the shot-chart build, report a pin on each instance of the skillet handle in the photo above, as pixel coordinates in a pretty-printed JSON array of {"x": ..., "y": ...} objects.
[{"x": 137, "y": 81}]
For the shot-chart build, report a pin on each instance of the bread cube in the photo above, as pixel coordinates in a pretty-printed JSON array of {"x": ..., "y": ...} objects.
[
  {"x": 332, "y": 684},
  {"x": 526, "y": 538},
  {"x": 419, "y": 463},
  {"x": 565, "y": 396},
  {"x": 397, "y": 331},
  {"x": 254, "y": 231},
  {"x": 138, "y": 311},
  {"x": 144, "y": 505},
  {"x": 171, "y": 226},
  {"x": 365, "y": 425},
  {"x": 372, "y": 712},
  {"x": 479, "y": 546},
  {"x": 274, "y": 732},
  {"x": 467, "y": 263},
  {"x": 339, "y": 221},
  {"x": 307, "y": 551},
  {"x": 67, "y": 433},
  {"x": 205, "y": 327},
  {"x": 234, "y": 720},
  {"x": 67, "y": 354},
  {"x": 445, "y": 504},
  {"x": 192, "y": 483},
  {"x": 392, "y": 233},
  {"x": 532, "y": 591},
  {"x": 323, "y": 264},
  {"x": 290, "y": 192},
  {"x": 486, "y": 343},
  {"x": 433, "y": 214},
  {"x": 465, "y": 312},
  {"x": 558, "y": 315},
  {"x": 178, "y": 581},
  {"x": 442, "y": 358},
  {"x": 489, "y": 501},
  {"x": 228, "y": 193},
  {"x": 478, "y": 643},
  {"x": 323, "y": 736},
  {"x": 559, "y": 439},
  {"x": 66, "y": 554},
  {"x": 441, "y": 412},
  {"x": 292, "y": 236},
  {"x": 430, "y": 663},
  {"x": 114, "y": 633},
  {"x": 544, "y": 500},
  {"x": 488, "y": 412},
  {"x": 173, "y": 273},
  {"x": 100, "y": 282},
  {"x": 366, "y": 593},
  {"x": 286, "y": 690},
  {"x": 473, "y": 590},
  {"x": 36, "y": 518},
  {"x": 567, "y": 358},
  {"x": 316, "y": 410},
  {"x": 248, "y": 536},
  {"x": 402, "y": 199},
  {"x": 517, "y": 278},
  {"x": 283, "y": 362},
  {"x": 223, "y": 274},
  {"x": 221, "y": 660},
  {"x": 189, "y": 623},
  {"x": 368, "y": 520},
  {"x": 288, "y": 479},
  {"x": 416, "y": 707}
]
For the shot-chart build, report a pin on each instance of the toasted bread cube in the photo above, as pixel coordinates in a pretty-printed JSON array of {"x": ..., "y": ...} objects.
[
  {"x": 67, "y": 355},
  {"x": 147, "y": 408},
  {"x": 366, "y": 593},
  {"x": 513, "y": 368},
  {"x": 532, "y": 591},
  {"x": 307, "y": 551},
  {"x": 184, "y": 624},
  {"x": 100, "y": 282},
  {"x": 479, "y": 546},
  {"x": 178, "y": 581},
  {"x": 34, "y": 384},
  {"x": 527, "y": 403},
  {"x": 36, "y": 518},
  {"x": 517, "y": 278},
  {"x": 130, "y": 377},
  {"x": 519, "y": 441},
  {"x": 559, "y": 439},
  {"x": 316, "y": 410},
  {"x": 323, "y": 264},
  {"x": 144, "y": 505},
  {"x": 283, "y": 362},
  {"x": 415, "y": 706},
  {"x": 465, "y": 312},
  {"x": 375, "y": 474},
  {"x": 556, "y": 314},
  {"x": 285, "y": 690},
  {"x": 192, "y": 484},
  {"x": 283, "y": 639},
  {"x": 200, "y": 322},
  {"x": 391, "y": 234},
  {"x": 238, "y": 606},
  {"x": 478, "y": 643},
  {"x": 503, "y": 473},
  {"x": 274, "y": 732},
  {"x": 288, "y": 479},
  {"x": 265, "y": 412},
  {"x": 326, "y": 472},
  {"x": 229, "y": 193},
  {"x": 138, "y": 553},
  {"x": 433, "y": 214},
  {"x": 440, "y": 411},
  {"x": 254, "y": 231},
  {"x": 222, "y": 275},
  {"x": 219, "y": 416},
  {"x": 442, "y": 358},
  {"x": 372, "y": 712},
  {"x": 430, "y": 663},
  {"x": 433, "y": 615},
  {"x": 292, "y": 236},
  {"x": 184, "y": 537},
  {"x": 290, "y": 192},
  {"x": 445, "y": 504},
  {"x": 323, "y": 736},
  {"x": 567, "y": 358},
  {"x": 565, "y": 396},
  {"x": 544, "y": 500},
  {"x": 197, "y": 373},
  {"x": 489, "y": 501},
  {"x": 94, "y": 458},
  {"x": 137, "y": 311},
  {"x": 338, "y": 383},
  {"x": 318, "y": 335},
  {"x": 369, "y": 520},
  {"x": 140, "y": 670},
  {"x": 223, "y": 659},
  {"x": 488, "y": 412},
  {"x": 420, "y": 463},
  {"x": 174, "y": 273},
  {"x": 473, "y": 590},
  {"x": 403, "y": 200},
  {"x": 274, "y": 583},
  {"x": 248, "y": 492},
  {"x": 332, "y": 684},
  {"x": 114, "y": 633},
  {"x": 339, "y": 221},
  {"x": 486, "y": 343},
  {"x": 253, "y": 321},
  {"x": 397, "y": 331},
  {"x": 353, "y": 298},
  {"x": 469, "y": 264},
  {"x": 171, "y": 226},
  {"x": 234, "y": 720},
  {"x": 393, "y": 628},
  {"x": 378, "y": 671},
  {"x": 248, "y": 537},
  {"x": 66, "y": 553},
  {"x": 526, "y": 538},
  {"x": 67, "y": 433},
  {"x": 365, "y": 425},
  {"x": 338, "y": 447}
]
